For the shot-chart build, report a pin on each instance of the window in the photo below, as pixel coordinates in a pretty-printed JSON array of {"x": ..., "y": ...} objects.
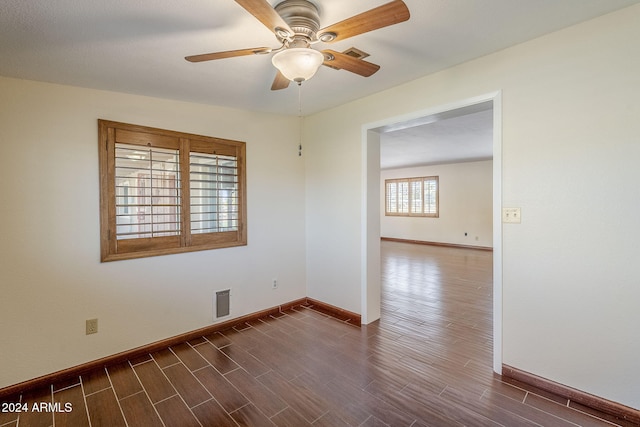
[
  {"x": 412, "y": 196},
  {"x": 164, "y": 192}
]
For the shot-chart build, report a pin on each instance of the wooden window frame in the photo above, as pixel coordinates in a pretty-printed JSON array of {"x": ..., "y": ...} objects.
[
  {"x": 111, "y": 248},
  {"x": 410, "y": 211}
]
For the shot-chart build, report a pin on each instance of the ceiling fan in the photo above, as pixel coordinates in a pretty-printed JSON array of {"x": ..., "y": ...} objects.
[{"x": 296, "y": 25}]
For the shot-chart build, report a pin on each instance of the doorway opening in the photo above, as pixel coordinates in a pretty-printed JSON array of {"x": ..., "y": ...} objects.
[{"x": 371, "y": 203}]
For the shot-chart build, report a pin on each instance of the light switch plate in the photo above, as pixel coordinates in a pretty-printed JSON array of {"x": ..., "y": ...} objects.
[{"x": 511, "y": 215}]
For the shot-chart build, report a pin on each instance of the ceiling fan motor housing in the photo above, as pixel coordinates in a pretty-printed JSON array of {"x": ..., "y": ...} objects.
[
  {"x": 296, "y": 25},
  {"x": 303, "y": 18}
]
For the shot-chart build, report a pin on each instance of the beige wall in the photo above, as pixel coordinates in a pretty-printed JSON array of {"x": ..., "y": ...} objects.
[
  {"x": 51, "y": 278},
  {"x": 465, "y": 205},
  {"x": 569, "y": 159},
  {"x": 569, "y": 152}
]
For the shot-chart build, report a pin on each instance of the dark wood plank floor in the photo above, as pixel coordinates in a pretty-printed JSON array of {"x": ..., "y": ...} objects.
[{"x": 427, "y": 362}]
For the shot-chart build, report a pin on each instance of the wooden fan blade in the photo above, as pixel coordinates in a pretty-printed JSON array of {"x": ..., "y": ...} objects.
[
  {"x": 342, "y": 61},
  {"x": 227, "y": 54},
  {"x": 379, "y": 17},
  {"x": 280, "y": 82},
  {"x": 266, "y": 14}
]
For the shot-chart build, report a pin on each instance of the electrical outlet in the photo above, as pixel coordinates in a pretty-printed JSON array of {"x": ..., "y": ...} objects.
[
  {"x": 274, "y": 284},
  {"x": 92, "y": 326}
]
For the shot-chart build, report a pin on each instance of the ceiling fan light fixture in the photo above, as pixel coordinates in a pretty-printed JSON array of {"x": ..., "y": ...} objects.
[{"x": 298, "y": 64}]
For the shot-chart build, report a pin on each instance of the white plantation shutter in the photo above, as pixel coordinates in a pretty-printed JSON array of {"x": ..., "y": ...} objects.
[
  {"x": 403, "y": 197},
  {"x": 416, "y": 196},
  {"x": 412, "y": 196},
  {"x": 391, "y": 197},
  {"x": 430, "y": 187}
]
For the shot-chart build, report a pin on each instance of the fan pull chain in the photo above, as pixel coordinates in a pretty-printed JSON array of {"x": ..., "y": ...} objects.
[{"x": 300, "y": 119}]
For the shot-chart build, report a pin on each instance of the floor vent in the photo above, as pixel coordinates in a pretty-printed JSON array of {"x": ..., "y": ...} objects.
[{"x": 222, "y": 303}]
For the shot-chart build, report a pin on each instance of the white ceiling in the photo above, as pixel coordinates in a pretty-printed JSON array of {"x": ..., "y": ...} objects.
[
  {"x": 462, "y": 135},
  {"x": 139, "y": 46}
]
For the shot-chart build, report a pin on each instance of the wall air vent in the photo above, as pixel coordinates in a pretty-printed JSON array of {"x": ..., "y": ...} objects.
[{"x": 222, "y": 303}]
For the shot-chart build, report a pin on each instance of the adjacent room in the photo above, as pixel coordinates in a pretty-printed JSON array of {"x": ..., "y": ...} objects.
[
  {"x": 454, "y": 150},
  {"x": 165, "y": 177}
]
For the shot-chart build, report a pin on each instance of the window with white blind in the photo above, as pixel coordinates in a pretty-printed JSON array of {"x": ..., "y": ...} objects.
[
  {"x": 412, "y": 196},
  {"x": 165, "y": 192}
]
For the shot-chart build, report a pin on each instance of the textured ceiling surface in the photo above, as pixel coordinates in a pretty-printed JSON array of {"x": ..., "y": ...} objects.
[
  {"x": 461, "y": 137},
  {"x": 139, "y": 46}
]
